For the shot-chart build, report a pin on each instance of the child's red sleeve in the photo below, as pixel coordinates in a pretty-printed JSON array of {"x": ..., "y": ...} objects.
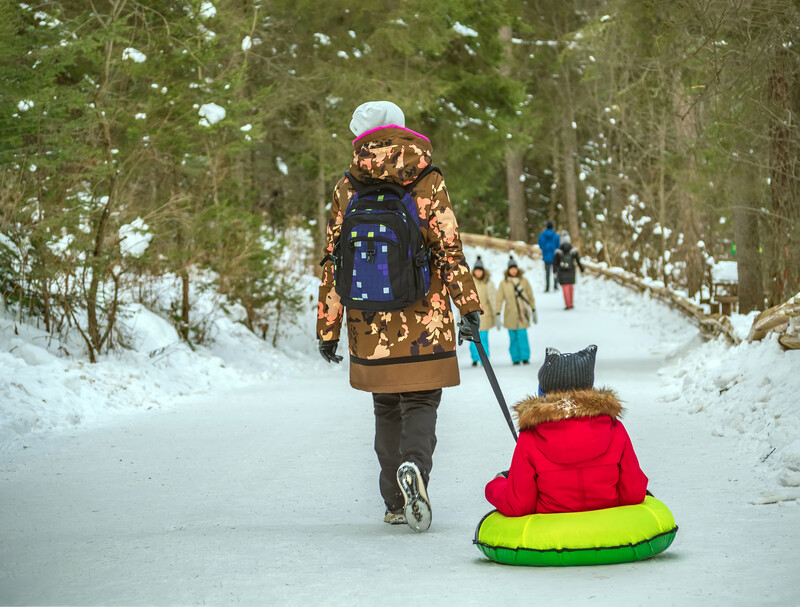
[
  {"x": 517, "y": 494},
  {"x": 632, "y": 485}
]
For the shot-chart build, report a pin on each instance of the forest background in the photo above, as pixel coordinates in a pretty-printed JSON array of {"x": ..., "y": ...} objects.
[{"x": 190, "y": 140}]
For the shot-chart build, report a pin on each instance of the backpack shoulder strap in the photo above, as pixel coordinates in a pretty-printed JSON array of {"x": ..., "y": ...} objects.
[{"x": 426, "y": 171}]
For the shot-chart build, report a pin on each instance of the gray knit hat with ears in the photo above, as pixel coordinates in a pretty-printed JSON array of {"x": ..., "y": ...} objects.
[
  {"x": 567, "y": 371},
  {"x": 374, "y": 114}
]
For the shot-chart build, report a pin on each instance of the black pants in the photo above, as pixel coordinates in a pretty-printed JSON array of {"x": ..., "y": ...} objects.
[
  {"x": 405, "y": 431},
  {"x": 548, "y": 268}
]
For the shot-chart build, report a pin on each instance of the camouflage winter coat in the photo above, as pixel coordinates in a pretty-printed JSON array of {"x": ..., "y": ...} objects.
[{"x": 414, "y": 348}]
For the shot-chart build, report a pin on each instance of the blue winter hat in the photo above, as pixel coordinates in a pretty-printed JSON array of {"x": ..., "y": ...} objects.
[
  {"x": 374, "y": 114},
  {"x": 550, "y": 225}
]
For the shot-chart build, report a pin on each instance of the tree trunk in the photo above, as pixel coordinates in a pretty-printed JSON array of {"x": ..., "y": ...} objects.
[
  {"x": 783, "y": 276},
  {"x": 570, "y": 192},
  {"x": 515, "y": 161},
  {"x": 322, "y": 212},
  {"x": 517, "y": 219},
  {"x": 748, "y": 260},
  {"x": 558, "y": 183},
  {"x": 570, "y": 151},
  {"x": 183, "y": 273},
  {"x": 185, "y": 304},
  {"x": 684, "y": 122},
  {"x": 569, "y": 141},
  {"x": 662, "y": 199},
  {"x": 98, "y": 264},
  {"x": 692, "y": 254},
  {"x": 98, "y": 267}
]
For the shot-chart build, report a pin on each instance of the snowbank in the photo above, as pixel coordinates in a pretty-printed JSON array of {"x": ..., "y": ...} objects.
[
  {"x": 48, "y": 387},
  {"x": 749, "y": 390}
]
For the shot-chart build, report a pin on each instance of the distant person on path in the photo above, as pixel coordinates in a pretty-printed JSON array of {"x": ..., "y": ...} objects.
[
  {"x": 548, "y": 243},
  {"x": 487, "y": 293},
  {"x": 573, "y": 453},
  {"x": 565, "y": 259},
  {"x": 406, "y": 356},
  {"x": 516, "y": 295}
]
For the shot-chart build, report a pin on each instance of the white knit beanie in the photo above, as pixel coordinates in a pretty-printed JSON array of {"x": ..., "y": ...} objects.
[{"x": 374, "y": 114}]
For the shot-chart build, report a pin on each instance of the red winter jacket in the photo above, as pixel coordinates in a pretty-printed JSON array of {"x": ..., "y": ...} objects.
[{"x": 573, "y": 454}]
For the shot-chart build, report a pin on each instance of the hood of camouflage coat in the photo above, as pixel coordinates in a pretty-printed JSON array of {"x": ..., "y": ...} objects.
[
  {"x": 391, "y": 153},
  {"x": 571, "y": 426}
]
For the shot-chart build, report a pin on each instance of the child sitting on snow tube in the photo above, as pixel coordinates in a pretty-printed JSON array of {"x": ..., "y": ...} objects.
[
  {"x": 573, "y": 453},
  {"x": 575, "y": 494}
]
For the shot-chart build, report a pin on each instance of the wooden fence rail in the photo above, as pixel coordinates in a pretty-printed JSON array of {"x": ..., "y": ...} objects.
[{"x": 783, "y": 319}]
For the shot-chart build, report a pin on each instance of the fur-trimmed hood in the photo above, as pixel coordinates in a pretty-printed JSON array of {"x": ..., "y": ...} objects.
[
  {"x": 572, "y": 426},
  {"x": 556, "y": 406}
]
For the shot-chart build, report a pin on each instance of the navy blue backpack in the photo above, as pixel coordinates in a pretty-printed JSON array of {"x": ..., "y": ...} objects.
[{"x": 380, "y": 262}]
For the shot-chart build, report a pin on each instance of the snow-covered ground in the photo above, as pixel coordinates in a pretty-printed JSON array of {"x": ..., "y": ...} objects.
[{"x": 243, "y": 473}]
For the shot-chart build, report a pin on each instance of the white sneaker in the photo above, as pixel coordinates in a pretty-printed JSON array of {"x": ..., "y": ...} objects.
[
  {"x": 397, "y": 517},
  {"x": 417, "y": 508}
]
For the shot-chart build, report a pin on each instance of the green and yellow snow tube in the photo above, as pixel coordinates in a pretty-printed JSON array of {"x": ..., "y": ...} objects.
[{"x": 597, "y": 537}]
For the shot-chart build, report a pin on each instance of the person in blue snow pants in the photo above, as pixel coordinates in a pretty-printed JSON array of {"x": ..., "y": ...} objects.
[
  {"x": 515, "y": 301},
  {"x": 519, "y": 348}
]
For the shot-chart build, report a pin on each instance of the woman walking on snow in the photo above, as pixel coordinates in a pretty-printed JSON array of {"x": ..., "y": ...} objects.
[
  {"x": 516, "y": 295},
  {"x": 403, "y": 357},
  {"x": 487, "y": 293},
  {"x": 565, "y": 259}
]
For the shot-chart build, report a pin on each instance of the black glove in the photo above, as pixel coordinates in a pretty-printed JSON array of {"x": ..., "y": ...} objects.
[
  {"x": 328, "y": 350},
  {"x": 469, "y": 326},
  {"x": 504, "y": 474}
]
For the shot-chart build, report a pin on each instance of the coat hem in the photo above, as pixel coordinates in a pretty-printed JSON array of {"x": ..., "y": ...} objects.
[{"x": 404, "y": 387}]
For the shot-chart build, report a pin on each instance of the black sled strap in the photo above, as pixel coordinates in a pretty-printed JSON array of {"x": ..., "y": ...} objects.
[{"x": 495, "y": 386}]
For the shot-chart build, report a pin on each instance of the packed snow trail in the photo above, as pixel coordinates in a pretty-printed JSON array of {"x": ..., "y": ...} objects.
[{"x": 269, "y": 495}]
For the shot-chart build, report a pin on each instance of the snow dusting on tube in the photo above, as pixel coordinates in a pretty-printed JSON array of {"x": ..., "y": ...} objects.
[{"x": 595, "y": 537}]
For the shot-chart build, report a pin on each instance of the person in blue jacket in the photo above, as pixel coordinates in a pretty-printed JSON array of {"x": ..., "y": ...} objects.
[{"x": 548, "y": 243}]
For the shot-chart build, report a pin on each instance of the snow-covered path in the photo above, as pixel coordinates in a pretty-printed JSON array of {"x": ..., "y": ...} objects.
[{"x": 269, "y": 496}]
